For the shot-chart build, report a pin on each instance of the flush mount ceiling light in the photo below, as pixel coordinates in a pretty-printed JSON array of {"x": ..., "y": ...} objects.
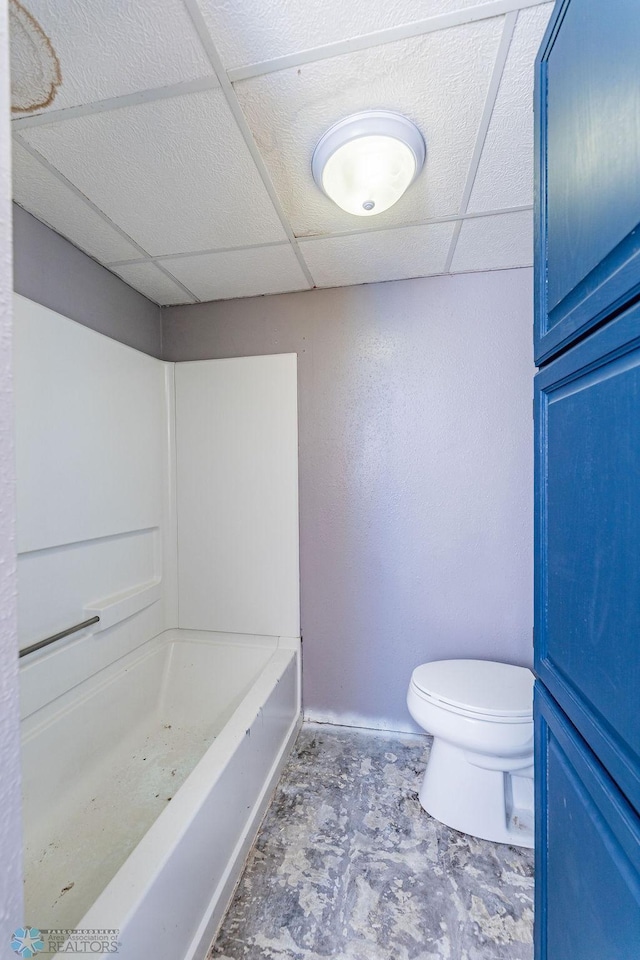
[{"x": 365, "y": 162}]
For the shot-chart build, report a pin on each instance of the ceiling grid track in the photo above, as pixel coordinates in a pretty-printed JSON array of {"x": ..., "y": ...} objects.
[
  {"x": 203, "y": 253},
  {"x": 428, "y": 221},
  {"x": 406, "y": 31},
  {"x": 484, "y": 11},
  {"x": 178, "y": 283},
  {"x": 227, "y": 88},
  {"x": 223, "y": 79},
  {"x": 78, "y": 193},
  {"x": 454, "y": 217},
  {"x": 487, "y": 113},
  {"x": 146, "y": 257},
  {"x": 116, "y": 103}
]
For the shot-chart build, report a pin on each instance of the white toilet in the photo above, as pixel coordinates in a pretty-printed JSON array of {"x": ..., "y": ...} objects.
[{"x": 479, "y": 778}]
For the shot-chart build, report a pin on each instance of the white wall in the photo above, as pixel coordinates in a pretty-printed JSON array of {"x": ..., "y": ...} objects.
[
  {"x": 94, "y": 523},
  {"x": 237, "y": 483},
  {"x": 10, "y": 820}
]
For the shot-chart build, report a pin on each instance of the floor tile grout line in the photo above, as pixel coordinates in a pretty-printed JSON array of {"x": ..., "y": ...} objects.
[
  {"x": 367, "y": 41},
  {"x": 233, "y": 103},
  {"x": 490, "y": 101}
]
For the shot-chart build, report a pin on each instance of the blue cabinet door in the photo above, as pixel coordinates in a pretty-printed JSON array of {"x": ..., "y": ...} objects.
[
  {"x": 587, "y": 528},
  {"x": 587, "y": 169},
  {"x": 587, "y": 850},
  {"x": 587, "y": 631}
]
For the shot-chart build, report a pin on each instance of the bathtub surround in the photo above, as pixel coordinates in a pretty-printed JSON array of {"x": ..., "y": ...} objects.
[
  {"x": 124, "y": 463},
  {"x": 415, "y": 473},
  {"x": 105, "y": 435},
  {"x": 94, "y": 504},
  {"x": 347, "y": 864},
  {"x": 54, "y": 272},
  {"x": 11, "y": 911}
]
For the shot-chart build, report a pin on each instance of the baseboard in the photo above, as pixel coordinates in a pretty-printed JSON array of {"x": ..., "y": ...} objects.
[{"x": 361, "y": 722}]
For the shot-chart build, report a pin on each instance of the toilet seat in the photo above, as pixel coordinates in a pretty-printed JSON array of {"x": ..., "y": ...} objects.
[{"x": 479, "y": 689}]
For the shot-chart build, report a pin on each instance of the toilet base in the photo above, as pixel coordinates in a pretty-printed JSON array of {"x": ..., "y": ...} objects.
[{"x": 489, "y": 804}]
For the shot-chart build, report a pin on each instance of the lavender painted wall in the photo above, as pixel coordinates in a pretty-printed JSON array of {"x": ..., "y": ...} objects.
[
  {"x": 415, "y": 473},
  {"x": 10, "y": 806},
  {"x": 51, "y": 271}
]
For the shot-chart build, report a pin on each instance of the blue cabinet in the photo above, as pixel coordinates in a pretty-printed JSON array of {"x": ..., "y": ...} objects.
[
  {"x": 587, "y": 169},
  {"x": 587, "y": 648},
  {"x": 587, "y": 534},
  {"x": 588, "y": 850}
]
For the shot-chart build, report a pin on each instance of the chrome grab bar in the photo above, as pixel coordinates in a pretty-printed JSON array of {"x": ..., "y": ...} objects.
[{"x": 57, "y": 636}]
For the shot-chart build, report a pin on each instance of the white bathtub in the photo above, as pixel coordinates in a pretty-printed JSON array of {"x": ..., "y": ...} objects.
[{"x": 145, "y": 784}]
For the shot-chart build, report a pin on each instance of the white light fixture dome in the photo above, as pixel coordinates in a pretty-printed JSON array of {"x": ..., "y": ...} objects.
[{"x": 365, "y": 162}]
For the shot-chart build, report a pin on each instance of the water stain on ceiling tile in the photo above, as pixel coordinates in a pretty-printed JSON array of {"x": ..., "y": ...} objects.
[
  {"x": 35, "y": 68},
  {"x": 177, "y": 151}
]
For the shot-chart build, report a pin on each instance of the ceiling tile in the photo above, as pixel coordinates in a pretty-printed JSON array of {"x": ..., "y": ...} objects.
[
  {"x": 381, "y": 255},
  {"x": 439, "y": 80},
  {"x": 240, "y": 273},
  {"x": 252, "y": 32},
  {"x": 493, "y": 243},
  {"x": 505, "y": 173},
  {"x": 152, "y": 282},
  {"x": 48, "y": 199},
  {"x": 175, "y": 174},
  {"x": 115, "y": 48}
]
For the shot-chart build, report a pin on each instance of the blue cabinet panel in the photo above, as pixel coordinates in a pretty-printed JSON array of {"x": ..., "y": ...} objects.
[
  {"x": 588, "y": 168},
  {"x": 588, "y": 542},
  {"x": 587, "y": 850}
]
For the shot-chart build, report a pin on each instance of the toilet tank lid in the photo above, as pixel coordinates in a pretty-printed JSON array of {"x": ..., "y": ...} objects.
[{"x": 483, "y": 686}]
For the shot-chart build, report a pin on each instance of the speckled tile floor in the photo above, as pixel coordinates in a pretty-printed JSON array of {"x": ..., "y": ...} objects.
[{"x": 347, "y": 865}]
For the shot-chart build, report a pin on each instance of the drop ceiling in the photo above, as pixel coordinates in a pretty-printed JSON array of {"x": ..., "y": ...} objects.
[{"x": 177, "y": 148}]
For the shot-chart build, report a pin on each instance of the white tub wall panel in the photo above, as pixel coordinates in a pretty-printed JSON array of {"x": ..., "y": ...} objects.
[
  {"x": 169, "y": 896},
  {"x": 96, "y": 518},
  {"x": 237, "y": 492},
  {"x": 57, "y": 583},
  {"x": 169, "y": 538},
  {"x": 56, "y": 671},
  {"x": 90, "y": 432},
  {"x": 124, "y": 604}
]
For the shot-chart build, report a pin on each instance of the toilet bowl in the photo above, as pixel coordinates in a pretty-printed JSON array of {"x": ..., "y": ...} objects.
[{"x": 479, "y": 777}]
